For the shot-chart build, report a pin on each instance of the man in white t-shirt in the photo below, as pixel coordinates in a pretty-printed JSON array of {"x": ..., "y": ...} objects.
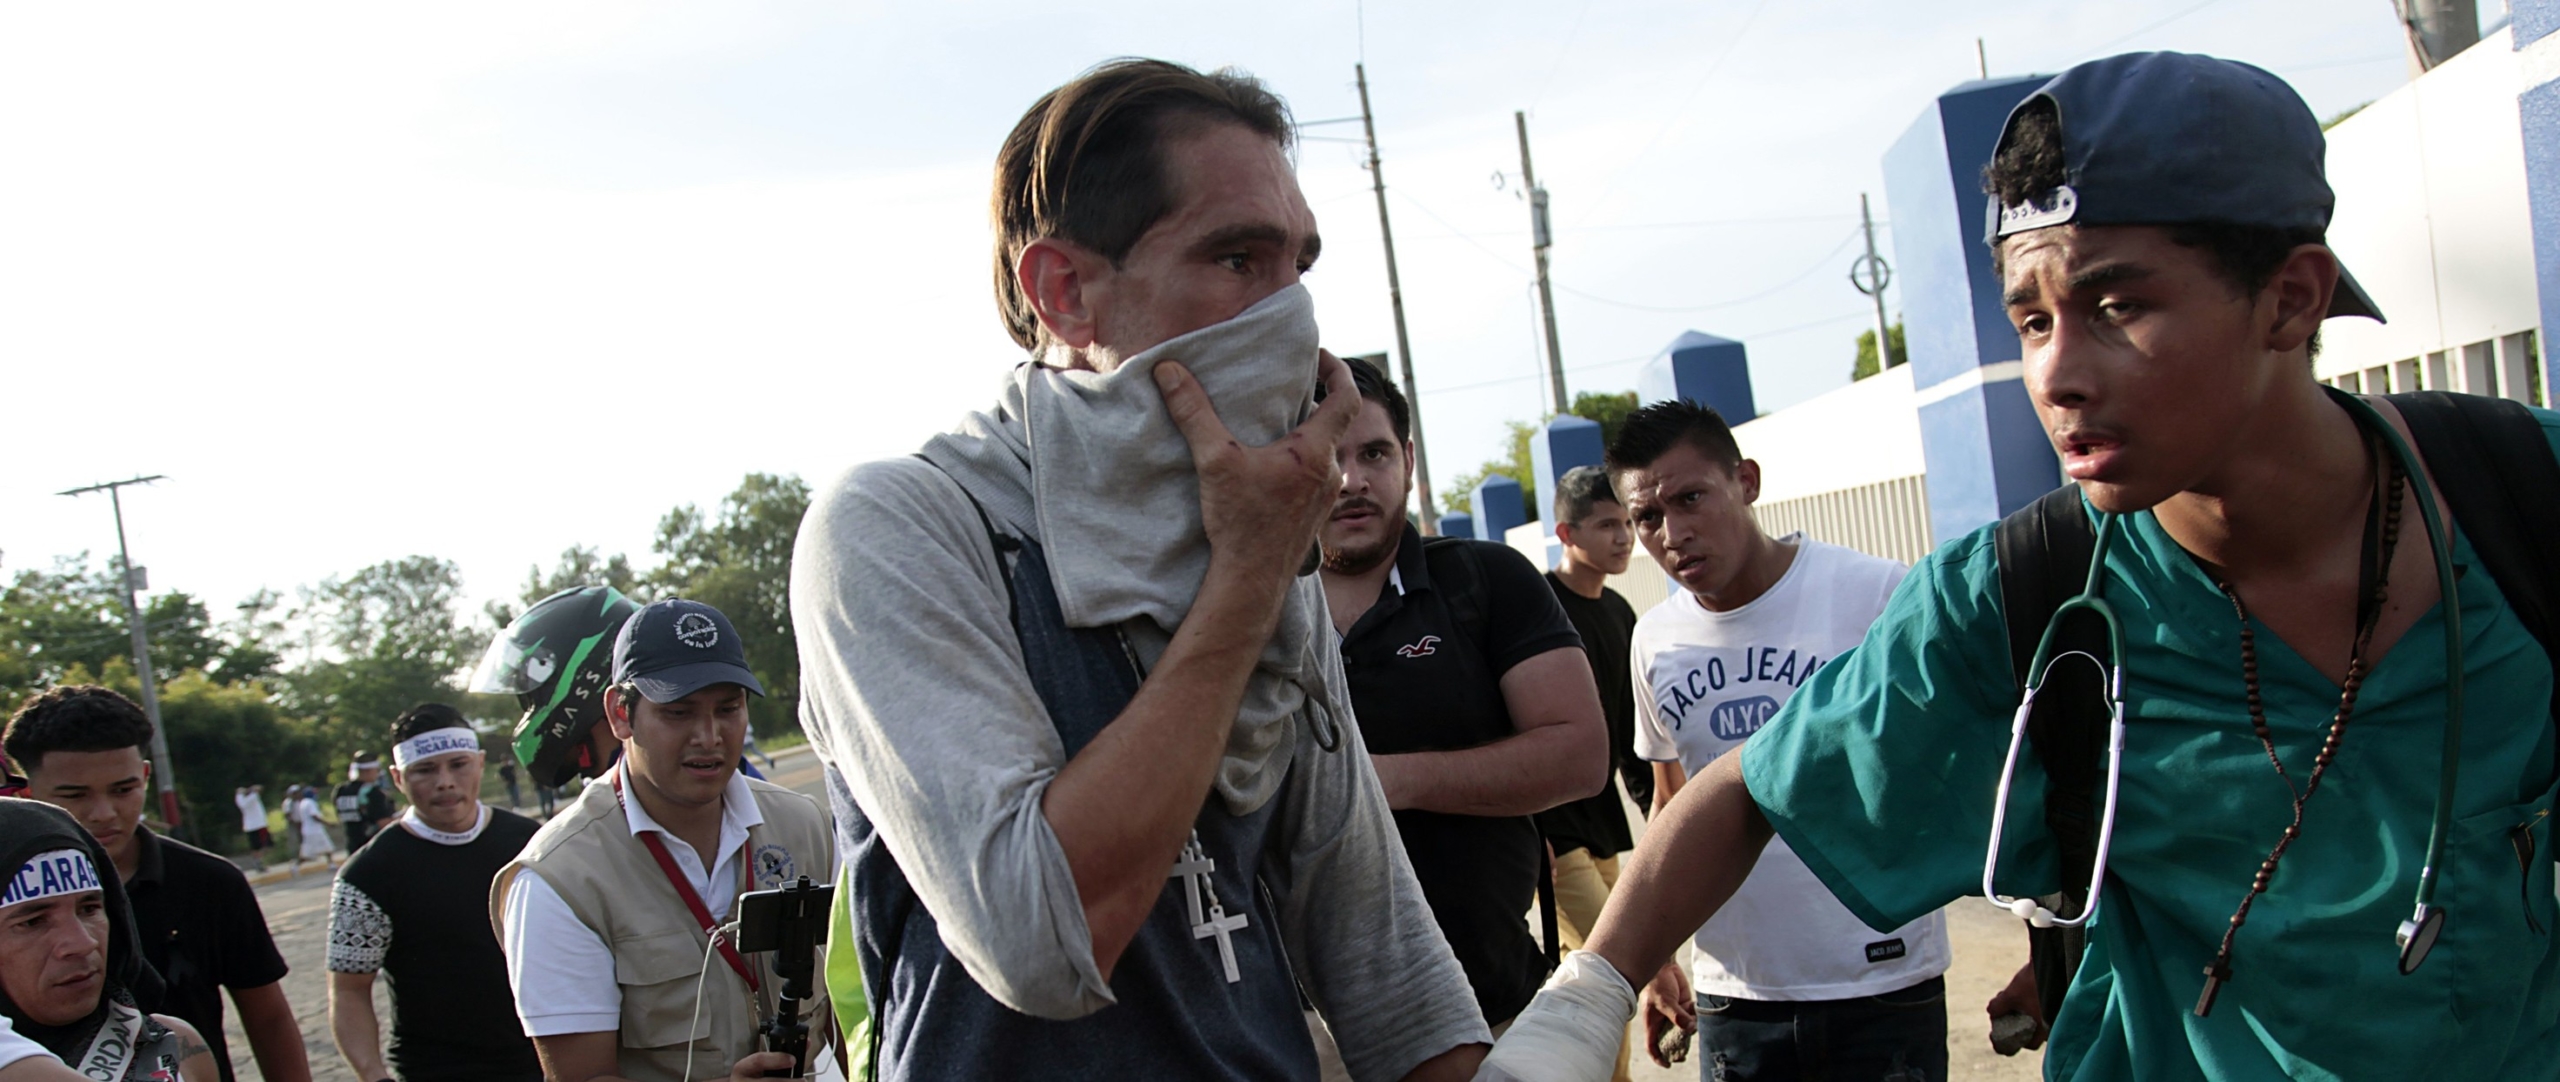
[
  {"x": 1787, "y": 982},
  {"x": 253, "y": 820}
]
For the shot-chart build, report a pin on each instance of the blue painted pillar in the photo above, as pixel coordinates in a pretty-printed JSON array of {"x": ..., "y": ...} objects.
[
  {"x": 1986, "y": 454},
  {"x": 1457, "y": 524},
  {"x": 1710, "y": 371},
  {"x": 1559, "y": 446},
  {"x": 2539, "y": 105},
  {"x": 1498, "y": 508}
]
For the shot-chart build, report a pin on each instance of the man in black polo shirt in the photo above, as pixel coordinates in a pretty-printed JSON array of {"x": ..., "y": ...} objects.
[
  {"x": 414, "y": 907},
  {"x": 201, "y": 928},
  {"x": 364, "y": 802},
  {"x": 1473, "y": 696}
]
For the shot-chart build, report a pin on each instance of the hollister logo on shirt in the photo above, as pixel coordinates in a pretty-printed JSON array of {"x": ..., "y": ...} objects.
[
  {"x": 1881, "y": 952},
  {"x": 1423, "y": 647}
]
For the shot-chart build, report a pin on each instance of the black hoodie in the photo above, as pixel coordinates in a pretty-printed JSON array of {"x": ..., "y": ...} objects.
[{"x": 28, "y": 828}]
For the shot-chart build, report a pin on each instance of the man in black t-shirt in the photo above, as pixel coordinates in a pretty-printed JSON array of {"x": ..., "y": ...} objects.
[
  {"x": 364, "y": 802},
  {"x": 201, "y": 928},
  {"x": 1473, "y": 696},
  {"x": 414, "y": 907},
  {"x": 1587, "y": 835}
]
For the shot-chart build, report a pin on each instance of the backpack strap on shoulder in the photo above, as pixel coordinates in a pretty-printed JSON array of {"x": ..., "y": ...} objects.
[
  {"x": 2044, "y": 550},
  {"x": 2495, "y": 467}
]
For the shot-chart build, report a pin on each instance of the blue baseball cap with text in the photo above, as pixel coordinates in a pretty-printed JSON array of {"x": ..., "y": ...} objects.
[
  {"x": 671, "y": 649},
  {"x": 2177, "y": 138}
]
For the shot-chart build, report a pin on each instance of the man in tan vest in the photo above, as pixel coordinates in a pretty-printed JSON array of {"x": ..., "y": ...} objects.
[{"x": 605, "y": 916}]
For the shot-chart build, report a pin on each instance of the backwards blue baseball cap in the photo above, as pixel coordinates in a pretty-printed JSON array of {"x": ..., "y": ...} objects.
[
  {"x": 673, "y": 648},
  {"x": 2176, "y": 138}
]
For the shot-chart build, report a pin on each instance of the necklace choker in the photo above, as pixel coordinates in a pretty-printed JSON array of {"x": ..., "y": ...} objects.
[{"x": 419, "y": 827}]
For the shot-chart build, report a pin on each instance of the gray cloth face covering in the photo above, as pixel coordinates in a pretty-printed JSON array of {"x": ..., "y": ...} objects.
[{"x": 1093, "y": 464}]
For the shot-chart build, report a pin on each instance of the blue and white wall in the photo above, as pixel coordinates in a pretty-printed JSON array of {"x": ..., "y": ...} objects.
[{"x": 2436, "y": 218}]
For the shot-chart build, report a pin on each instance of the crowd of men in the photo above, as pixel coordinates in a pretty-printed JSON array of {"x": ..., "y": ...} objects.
[{"x": 1158, "y": 742}]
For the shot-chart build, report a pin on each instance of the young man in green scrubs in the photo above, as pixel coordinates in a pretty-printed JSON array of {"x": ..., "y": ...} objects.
[{"x": 2159, "y": 234}]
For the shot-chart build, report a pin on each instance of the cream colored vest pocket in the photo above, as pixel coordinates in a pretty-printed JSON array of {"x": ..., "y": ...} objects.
[{"x": 658, "y": 973}]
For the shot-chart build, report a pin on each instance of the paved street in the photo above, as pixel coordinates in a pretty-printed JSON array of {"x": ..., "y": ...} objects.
[{"x": 1988, "y": 948}]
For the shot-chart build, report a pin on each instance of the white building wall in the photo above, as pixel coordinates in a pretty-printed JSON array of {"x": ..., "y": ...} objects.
[
  {"x": 2433, "y": 219},
  {"x": 1843, "y": 468},
  {"x": 1861, "y": 434}
]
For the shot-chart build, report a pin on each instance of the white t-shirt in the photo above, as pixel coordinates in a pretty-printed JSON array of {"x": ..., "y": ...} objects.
[
  {"x": 253, "y": 812},
  {"x": 1704, "y": 682},
  {"x": 14, "y": 1048}
]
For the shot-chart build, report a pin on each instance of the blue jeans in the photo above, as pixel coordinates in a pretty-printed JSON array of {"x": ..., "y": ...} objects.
[{"x": 1897, "y": 1036}]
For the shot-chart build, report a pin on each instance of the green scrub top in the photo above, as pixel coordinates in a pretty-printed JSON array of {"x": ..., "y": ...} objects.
[{"x": 1879, "y": 773}]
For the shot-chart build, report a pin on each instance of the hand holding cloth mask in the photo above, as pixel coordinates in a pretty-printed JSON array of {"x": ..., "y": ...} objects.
[{"x": 1092, "y": 464}]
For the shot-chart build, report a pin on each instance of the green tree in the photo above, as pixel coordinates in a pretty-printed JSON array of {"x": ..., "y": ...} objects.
[
  {"x": 739, "y": 562},
  {"x": 580, "y": 565},
  {"x": 252, "y": 639},
  {"x": 1517, "y": 463},
  {"x": 1866, "y": 362},
  {"x": 55, "y": 620},
  {"x": 390, "y": 638},
  {"x": 1609, "y": 410},
  {"x": 72, "y": 616}
]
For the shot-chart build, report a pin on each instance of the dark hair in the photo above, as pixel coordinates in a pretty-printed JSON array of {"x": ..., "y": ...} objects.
[
  {"x": 1376, "y": 387},
  {"x": 1086, "y": 163},
  {"x": 1579, "y": 489},
  {"x": 2030, "y": 164},
  {"x": 426, "y": 718},
  {"x": 74, "y": 717},
  {"x": 1652, "y": 431}
]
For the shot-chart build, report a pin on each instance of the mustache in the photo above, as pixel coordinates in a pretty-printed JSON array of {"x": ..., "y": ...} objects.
[{"x": 1358, "y": 503}]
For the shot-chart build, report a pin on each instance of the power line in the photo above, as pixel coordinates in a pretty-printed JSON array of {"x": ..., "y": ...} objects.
[
  {"x": 2101, "y": 50},
  {"x": 1682, "y": 115},
  {"x": 1790, "y": 283},
  {"x": 1498, "y": 257},
  {"x": 1779, "y": 332},
  {"x": 1566, "y": 50},
  {"x": 1499, "y": 381},
  {"x": 1697, "y": 223}
]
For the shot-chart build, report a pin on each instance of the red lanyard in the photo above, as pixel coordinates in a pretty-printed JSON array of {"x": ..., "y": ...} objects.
[{"x": 684, "y": 890}]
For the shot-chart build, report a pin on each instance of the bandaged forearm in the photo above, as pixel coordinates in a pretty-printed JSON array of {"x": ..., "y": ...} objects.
[{"x": 1571, "y": 1032}]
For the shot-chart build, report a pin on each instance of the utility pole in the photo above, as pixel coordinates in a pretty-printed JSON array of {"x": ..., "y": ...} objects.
[
  {"x": 1540, "y": 236},
  {"x": 161, "y": 774},
  {"x": 1981, "y": 58},
  {"x": 1870, "y": 274},
  {"x": 1430, "y": 523}
]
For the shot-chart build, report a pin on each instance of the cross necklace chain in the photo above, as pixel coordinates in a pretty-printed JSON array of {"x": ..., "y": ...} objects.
[
  {"x": 1200, "y": 898},
  {"x": 1199, "y": 895},
  {"x": 2381, "y": 539}
]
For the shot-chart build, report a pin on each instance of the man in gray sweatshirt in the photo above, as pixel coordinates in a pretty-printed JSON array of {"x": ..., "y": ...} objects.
[{"x": 1105, "y": 808}]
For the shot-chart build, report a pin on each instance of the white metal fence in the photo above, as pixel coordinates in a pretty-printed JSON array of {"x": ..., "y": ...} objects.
[
  {"x": 2506, "y": 367},
  {"x": 1887, "y": 518}
]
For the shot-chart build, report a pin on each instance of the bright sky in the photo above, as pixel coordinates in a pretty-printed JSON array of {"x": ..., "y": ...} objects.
[{"x": 484, "y": 281}]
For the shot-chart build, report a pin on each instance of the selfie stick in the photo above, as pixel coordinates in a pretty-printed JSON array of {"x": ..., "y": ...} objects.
[{"x": 801, "y": 927}]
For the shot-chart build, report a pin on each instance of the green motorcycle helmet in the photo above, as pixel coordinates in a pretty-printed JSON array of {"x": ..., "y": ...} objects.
[{"x": 557, "y": 659}]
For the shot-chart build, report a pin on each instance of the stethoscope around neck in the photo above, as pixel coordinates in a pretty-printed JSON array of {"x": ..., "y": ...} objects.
[{"x": 2417, "y": 935}]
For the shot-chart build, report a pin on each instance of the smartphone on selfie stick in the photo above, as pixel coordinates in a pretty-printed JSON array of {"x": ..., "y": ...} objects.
[{"x": 791, "y": 924}]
